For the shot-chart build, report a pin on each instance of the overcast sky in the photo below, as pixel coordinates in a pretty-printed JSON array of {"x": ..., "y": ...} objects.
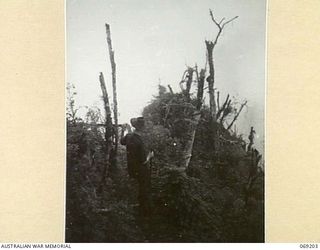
[{"x": 154, "y": 40}]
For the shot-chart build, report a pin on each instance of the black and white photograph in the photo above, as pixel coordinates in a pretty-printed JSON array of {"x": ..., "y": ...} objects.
[{"x": 165, "y": 121}]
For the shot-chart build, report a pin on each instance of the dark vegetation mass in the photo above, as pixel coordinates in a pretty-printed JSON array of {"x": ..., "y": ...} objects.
[{"x": 207, "y": 180}]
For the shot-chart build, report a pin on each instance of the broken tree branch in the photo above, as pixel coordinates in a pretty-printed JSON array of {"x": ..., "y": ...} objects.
[
  {"x": 236, "y": 116},
  {"x": 170, "y": 89},
  {"x": 223, "y": 107},
  {"x": 221, "y": 20},
  {"x": 225, "y": 112},
  {"x": 229, "y": 21}
]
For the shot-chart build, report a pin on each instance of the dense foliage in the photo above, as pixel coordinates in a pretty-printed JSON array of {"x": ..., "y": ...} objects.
[{"x": 215, "y": 200}]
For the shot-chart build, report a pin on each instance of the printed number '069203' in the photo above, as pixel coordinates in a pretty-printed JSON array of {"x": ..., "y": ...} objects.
[{"x": 308, "y": 245}]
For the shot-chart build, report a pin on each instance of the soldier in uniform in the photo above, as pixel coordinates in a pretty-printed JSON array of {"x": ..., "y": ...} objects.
[{"x": 138, "y": 161}]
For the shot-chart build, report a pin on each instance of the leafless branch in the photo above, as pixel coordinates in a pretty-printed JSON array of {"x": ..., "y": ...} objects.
[
  {"x": 221, "y": 21},
  {"x": 223, "y": 25},
  {"x": 225, "y": 112},
  {"x": 170, "y": 89},
  {"x": 236, "y": 116},
  {"x": 213, "y": 19},
  {"x": 220, "y": 25},
  {"x": 223, "y": 107},
  {"x": 210, "y": 45}
]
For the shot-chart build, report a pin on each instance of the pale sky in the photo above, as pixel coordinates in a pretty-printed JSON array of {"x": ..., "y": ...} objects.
[{"x": 156, "y": 39}]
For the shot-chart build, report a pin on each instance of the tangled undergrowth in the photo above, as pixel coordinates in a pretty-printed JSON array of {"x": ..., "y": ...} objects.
[{"x": 210, "y": 202}]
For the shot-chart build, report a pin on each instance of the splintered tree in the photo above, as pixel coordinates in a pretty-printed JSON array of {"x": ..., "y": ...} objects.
[
  {"x": 191, "y": 106},
  {"x": 225, "y": 110},
  {"x": 114, "y": 87},
  {"x": 187, "y": 78},
  {"x": 195, "y": 113},
  {"x": 218, "y": 113},
  {"x": 210, "y": 47}
]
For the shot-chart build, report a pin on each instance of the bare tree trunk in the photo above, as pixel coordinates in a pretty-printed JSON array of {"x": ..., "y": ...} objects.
[
  {"x": 210, "y": 45},
  {"x": 188, "y": 148},
  {"x": 108, "y": 127},
  {"x": 188, "y": 83},
  {"x": 200, "y": 89},
  {"x": 114, "y": 87},
  {"x": 211, "y": 78}
]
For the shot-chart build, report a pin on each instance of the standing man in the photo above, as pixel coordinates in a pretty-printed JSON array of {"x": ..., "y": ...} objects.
[{"x": 138, "y": 160}]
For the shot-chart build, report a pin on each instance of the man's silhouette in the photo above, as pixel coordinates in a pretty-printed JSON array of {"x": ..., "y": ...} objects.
[{"x": 138, "y": 160}]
